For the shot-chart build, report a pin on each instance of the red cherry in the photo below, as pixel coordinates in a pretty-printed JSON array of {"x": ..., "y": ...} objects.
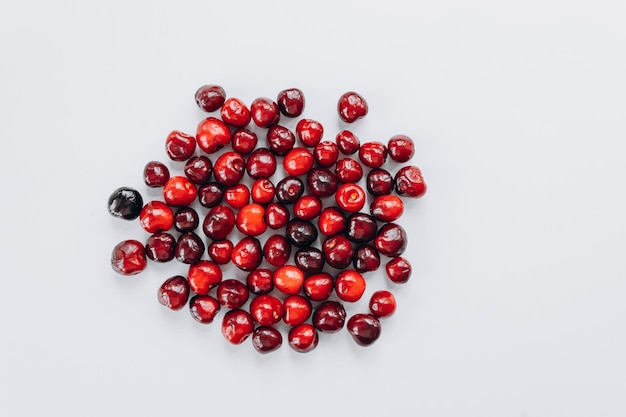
[
  {"x": 237, "y": 196},
  {"x": 277, "y": 250},
  {"x": 266, "y": 339},
  {"x": 261, "y": 163},
  {"x": 409, "y": 182},
  {"x": 174, "y": 292},
  {"x": 212, "y": 135},
  {"x": 309, "y": 132},
  {"x": 350, "y": 285},
  {"x": 288, "y": 279},
  {"x": 298, "y": 161},
  {"x": 303, "y": 338},
  {"x": 235, "y": 113},
  {"x": 128, "y": 257},
  {"x": 319, "y": 287},
  {"x": 296, "y": 310},
  {"x": 210, "y": 97},
  {"x": 338, "y": 251},
  {"x": 229, "y": 169},
  {"x": 350, "y": 197},
  {"x": 347, "y": 142},
  {"x": 391, "y": 240},
  {"x": 382, "y": 304},
  {"x": 401, "y": 148},
  {"x": 179, "y": 146},
  {"x": 276, "y": 215},
  {"x": 386, "y": 208},
  {"x": 307, "y": 207},
  {"x": 260, "y": 281},
  {"x": 364, "y": 328},
  {"x": 247, "y": 254},
  {"x": 155, "y": 174},
  {"x": 398, "y": 270},
  {"x": 250, "y": 220},
  {"x": 266, "y": 310},
  {"x": 244, "y": 141},
  {"x": 291, "y": 102},
  {"x": 373, "y": 154},
  {"x": 264, "y": 112},
  {"x": 331, "y": 221},
  {"x": 179, "y": 191},
  {"x": 280, "y": 140},
  {"x": 220, "y": 251},
  {"x": 262, "y": 191},
  {"x": 203, "y": 276},
  {"x": 326, "y": 153},
  {"x": 156, "y": 216},
  {"x": 348, "y": 170},
  {"x": 203, "y": 308},
  {"x": 232, "y": 293},
  {"x": 237, "y": 326},
  {"x": 351, "y": 106}
]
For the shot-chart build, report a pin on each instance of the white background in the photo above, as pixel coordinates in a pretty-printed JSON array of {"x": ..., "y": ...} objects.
[{"x": 517, "y": 304}]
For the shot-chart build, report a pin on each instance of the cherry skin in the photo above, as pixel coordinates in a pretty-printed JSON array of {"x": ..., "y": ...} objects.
[
  {"x": 347, "y": 142},
  {"x": 289, "y": 190},
  {"x": 250, "y": 220},
  {"x": 307, "y": 207},
  {"x": 351, "y": 107},
  {"x": 264, "y": 112},
  {"x": 229, "y": 169},
  {"x": 280, "y": 140},
  {"x": 220, "y": 251},
  {"x": 322, "y": 182},
  {"x": 261, "y": 164},
  {"x": 382, "y": 304},
  {"x": 160, "y": 247},
  {"x": 291, "y": 102},
  {"x": 398, "y": 270},
  {"x": 174, "y": 293},
  {"x": 318, "y": 287},
  {"x": 260, "y": 281},
  {"x": 301, "y": 233},
  {"x": 366, "y": 259},
  {"x": 179, "y": 191},
  {"x": 125, "y": 203},
  {"x": 348, "y": 170},
  {"x": 331, "y": 221},
  {"x": 210, "y": 97},
  {"x": 379, "y": 182},
  {"x": 350, "y": 285},
  {"x": 180, "y": 146},
  {"x": 288, "y": 279},
  {"x": 156, "y": 216},
  {"x": 266, "y": 339},
  {"x": 309, "y": 260},
  {"x": 203, "y": 275},
  {"x": 232, "y": 293},
  {"x": 337, "y": 251},
  {"x": 266, "y": 310},
  {"x": 219, "y": 222},
  {"x": 212, "y": 135},
  {"x": 237, "y": 326},
  {"x": 373, "y": 154},
  {"x": 297, "y": 310},
  {"x": 210, "y": 195},
  {"x": 247, "y": 254},
  {"x": 401, "y": 148},
  {"x": 244, "y": 141},
  {"x": 329, "y": 317},
  {"x": 391, "y": 240},
  {"x": 298, "y": 161},
  {"x": 186, "y": 219},
  {"x": 237, "y": 196},
  {"x": 262, "y": 191},
  {"x": 235, "y": 113},
  {"x": 155, "y": 174},
  {"x": 198, "y": 169},
  {"x": 128, "y": 257},
  {"x": 364, "y": 328},
  {"x": 326, "y": 153},
  {"x": 350, "y": 197},
  {"x": 309, "y": 132},
  {"x": 277, "y": 250},
  {"x": 189, "y": 248},
  {"x": 361, "y": 227},
  {"x": 276, "y": 215},
  {"x": 203, "y": 308},
  {"x": 410, "y": 182},
  {"x": 303, "y": 338},
  {"x": 386, "y": 208}
]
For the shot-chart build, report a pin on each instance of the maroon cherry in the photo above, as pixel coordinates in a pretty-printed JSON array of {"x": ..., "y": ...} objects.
[
  {"x": 351, "y": 106},
  {"x": 180, "y": 146},
  {"x": 391, "y": 240},
  {"x": 186, "y": 219},
  {"x": 291, "y": 102},
  {"x": 398, "y": 270},
  {"x": 160, "y": 247},
  {"x": 244, "y": 141},
  {"x": 309, "y": 260},
  {"x": 337, "y": 251},
  {"x": 189, "y": 248},
  {"x": 211, "y": 194},
  {"x": 266, "y": 339},
  {"x": 232, "y": 293},
  {"x": 174, "y": 292},
  {"x": 373, "y": 154},
  {"x": 261, "y": 163},
  {"x": 379, "y": 182},
  {"x": 210, "y": 97},
  {"x": 260, "y": 281},
  {"x": 366, "y": 258},
  {"x": 347, "y": 142},
  {"x": 237, "y": 326},
  {"x": 322, "y": 182},
  {"x": 364, "y": 328},
  {"x": 229, "y": 169},
  {"x": 198, "y": 169},
  {"x": 264, "y": 112},
  {"x": 125, "y": 203},
  {"x": 410, "y": 182},
  {"x": 155, "y": 174},
  {"x": 277, "y": 250},
  {"x": 401, "y": 148},
  {"x": 128, "y": 257},
  {"x": 361, "y": 227},
  {"x": 203, "y": 308},
  {"x": 280, "y": 140},
  {"x": 303, "y": 338},
  {"x": 289, "y": 190},
  {"x": 329, "y": 317},
  {"x": 219, "y": 222}
]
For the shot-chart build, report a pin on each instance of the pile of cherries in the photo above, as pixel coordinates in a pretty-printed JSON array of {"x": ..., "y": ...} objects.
[{"x": 318, "y": 198}]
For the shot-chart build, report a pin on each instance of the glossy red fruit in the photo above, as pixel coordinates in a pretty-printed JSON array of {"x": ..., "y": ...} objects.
[
  {"x": 301, "y": 233},
  {"x": 391, "y": 240},
  {"x": 409, "y": 182},
  {"x": 401, "y": 148},
  {"x": 160, "y": 247},
  {"x": 247, "y": 254},
  {"x": 298, "y": 161},
  {"x": 203, "y": 275},
  {"x": 277, "y": 250},
  {"x": 337, "y": 251},
  {"x": 291, "y": 102},
  {"x": 179, "y": 191},
  {"x": 186, "y": 219},
  {"x": 303, "y": 338},
  {"x": 382, "y": 304},
  {"x": 232, "y": 293},
  {"x": 379, "y": 182},
  {"x": 266, "y": 310},
  {"x": 180, "y": 146},
  {"x": 350, "y": 285},
  {"x": 189, "y": 248},
  {"x": 260, "y": 281},
  {"x": 156, "y": 216},
  {"x": 326, "y": 153},
  {"x": 262, "y": 191},
  {"x": 364, "y": 328},
  {"x": 309, "y": 260},
  {"x": 398, "y": 270},
  {"x": 261, "y": 163},
  {"x": 348, "y": 170},
  {"x": 350, "y": 197},
  {"x": 128, "y": 257},
  {"x": 237, "y": 196},
  {"x": 155, "y": 174},
  {"x": 322, "y": 182},
  {"x": 210, "y": 97},
  {"x": 280, "y": 140},
  {"x": 211, "y": 194},
  {"x": 289, "y": 190},
  {"x": 331, "y": 221},
  {"x": 244, "y": 141},
  {"x": 235, "y": 113},
  {"x": 366, "y": 259},
  {"x": 297, "y": 310},
  {"x": 266, "y": 339},
  {"x": 361, "y": 227},
  {"x": 125, "y": 203},
  {"x": 373, "y": 154},
  {"x": 174, "y": 292},
  {"x": 237, "y": 326},
  {"x": 309, "y": 132},
  {"x": 329, "y": 317},
  {"x": 229, "y": 169},
  {"x": 351, "y": 106},
  {"x": 307, "y": 207},
  {"x": 220, "y": 251},
  {"x": 250, "y": 220},
  {"x": 386, "y": 208},
  {"x": 264, "y": 112},
  {"x": 212, "y": 135},
  {"x": 219, "y": 222},
  {"x": 318, "y": 287},
  {"x": 276, "y": 215},
  {"x": 347, "y": 142},
  {"x": 203, "y": 308},
  {"x": 198, "y": 169},
  {"x": 288, "y": 279}
]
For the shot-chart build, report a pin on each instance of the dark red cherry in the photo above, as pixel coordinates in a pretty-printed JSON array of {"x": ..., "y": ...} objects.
[
  {"x": 280, "y": 140},
  {"x": 329, "y": 317},
  {"x": 291, "y": 102},
  {"x": 261, "y": 163},
  {"x": 391, "y": 240},
  {"x": 211, "y": 194},
  {"x": 237, "y": 326},
  {"x": 220, "y": 251},
  {"x": 307, "y": 207},
  {"x": 348, "y": 170},
  {"x": 219, "y": 222},
  {"x": 203, "y": 308},
  {"x": 398, "y": 270},
  {"x": 160, "y": 247},
  {"x": 266, "y": 339},
  {"x": 125, "y": 203},
  {"x": 309, "y": 260},
  {"x": 210, "y": 97},
  {"x": 189, "y": 248},
  {"x": 229, "y": 169},
  {"x": 155, "y": 174},
  {"x": 174, "y": 292},
  {"x": 373, "y": 154},
  {"x": 337, "y": 251},
  {"x": 347, "y": 142},
  {"x": 322, "y": 182},
  {"x": 128, "y": 257},
  {"x": 303, "y": 338},
  {"x": 361, "y": 228},
  {"x": 351, "y": 107},
  {"x": 379, "y": 182},
  {"x": 186, "y": 219},
  {"x": 260, "y": 281},
  {"x": 364, "y": 328},
  {"x": 401, "y": 148},
  {"x": 232, "y": 293},
  {"x": 199, "y": 169},
  {"x": 247, "y": 254},
  {"x": 180, "y": 146},
  {"x": 409, "y": 182},
  {"x": 366, "y": 258},
  {"x": 277, "y": 250},
  {"x": 301, "y": 233},
  {"x": 244, "y": 141},
  {"x": 289, "y": 190}
]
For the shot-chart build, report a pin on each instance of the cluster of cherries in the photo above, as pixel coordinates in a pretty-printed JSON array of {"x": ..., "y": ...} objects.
[{"x": 320, "y": 194}]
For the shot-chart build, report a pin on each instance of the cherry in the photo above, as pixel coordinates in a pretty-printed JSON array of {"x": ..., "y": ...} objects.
[
  {"x": 186, "y": 219},
  {"x": 266, "y": 310},
  {"x": 297, "y": 310},
  {"x": 277, "y": 250},
  {"x": 298, "y": 161},
  {"x": 264, "y": 112},
  {"x": 280, "y": 140},
  {"x": 309, "y": 260},
  {"x": 203, "y": 275},
  {"x": 237, "y": 196},
  {"x": 237, "y": 326},
  {"x": 291, "y": 102},
  {"x": 364, "y": 328},
  {"x": 189, "y": 248},
  {"x": 322, "y": 182},
  {"x": 229, "y": 169},
  {"x": 260, "y": 281},
  {"x": 301, "y": 233},
  {"x": 203, "y": 308},
  {"x": 401, "y": 148},
  {"x": 247, "y": 254},
  {"x": 337, "y": 251},
  {"x": 276, "y": 215},
  {"x": 347, "y": 142},
  {"x": 391, "y": 240},
  {"x": 156, "y": 216},
  {"x": 125, "y": 203},
  {"x": 261, "y": 163},
  {"x": 174, "y": 292},
  {"x": 232, "y": 293},
  {"x": 288, "y": 279},
  {"x": 244, "y": 141},
  {"x": 366, "y": 259},
  {"x": 386, "y": 208},
  {"x": 373, "y": 154},
  {"x": 351, "y": 106},
  {"x": 361, "y": 228},
  {"x": 326, "y": 153},
  {"x": 398, "y": 270},
  {"x": 332, "y": 221},
  {"x": 307, "y": 207},
  {"x": 155, "y": 174},
  {"x": 198, "y": 169},
  {"x": 350, "y": 197},
  {"x": 348, "y": 170},
  {"x": 266, "y": 339},
  {"x": 179, "y": 191},
  {"x": 309, "y": 132},
  {"x": 303, "y": 338},
  {"x": 210, "y": 195},
  {"x": 220, "y": 251},
  {"x": 250, "y": 220},
  {"x": 160, "y": 247},
  {"x": 382, "y": 304},
  {"x": 179, "y": 146},
  {"x": 212, "y": 135},
  {"x": 329, "y": 317},
  {"x": 409, "y": 182},
  {"x": 235, "y": 113},
  {"x": 210, "y": 97},
  {"x": 379, "y": 182},
  {"x": 318, "y": 287},
  {"x": 128, "y": 257},
  {"x": 262, "y": 191},
  {"x": 350, "y": 285},
  {"x": 289, "y": 190},
  {"x": 219, "y": 222}
]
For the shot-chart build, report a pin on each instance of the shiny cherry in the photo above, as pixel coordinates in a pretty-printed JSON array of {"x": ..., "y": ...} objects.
[
  {"x": 125, "y": 203},
  {"x": 264, "y": 112},
  {"x": 366, "y": 258},
  {"x": 180, "y": 146},
  {"x": 262, "y": 191},
  {"x": 219, "y": 222},
  {"x": 203, "y": 275},
  {"x": 373, "y": 154},
  {"x": 391, "y": 240},
  {"x": 322, "y": 182},
  {"x": 229, "y": 169},
  {"x": 318, "y": 287},
  {"x": 351, "y": 107},
  {"x": 211, "y": 194},
  {"x": 266, "y": 309},
  {"x": 235, "y": 113},
  {"x": 189, "y": 248},
  {"x": 244, "y": 141},
  {"x": 186, "y": 219},
  {"x": 348, "y": 170},
  {"x": 232, "y": 293},
  {"x": 326, "y": 153},
  {"x": 303, "y": 338},
  {"x": 198, "y": 169},
  {"x": 288, "y": 279},
  {"x": 280, "y": 140},
  {"x": 410, "y": 182},
  {"x": 128, "y": 257},
  {"x": 250, "y": 220},
  {"x": 210, "y": 97},
  {"x": 347, "y": 142},
  {"x": 350, "y": 285},
  {"x": 179, "y": 191},
  {"x": 203, "y": 308},
  {"x": 160, "y": 247},
  {"x": 379, "y": 182},
  {"x": 364, "y": 328},
  {"x": 291, "y": 102},
  {"x": 266, "y": 339},
  {"x": 309, "y": 132},
  {"x": 261, "y": 163},
  {"x": 337, "y": 251},
  {"x": 260, "y": 281},
  {"x": 220, "y": 251},
  {"x": 155, "y": 174},
  {"x": 307, "y": 207},
  {"x": 276, "y": 215},
  {"x": 309, "y": 260},
  {"x": 277, "y": 250},
  {"x": 174, "y": 292},
  {"x": 212, "y": 135},
  {"x": 301, "y": 233},
  {"x": 289, "y": 190},
  {"x": 237, "y": 326},
  {"x": 350, "y": 197},
  {"x": 361, "y": 227},
  {"x": 401, "y": 148},
  {"x": 329, "y": 317},
  {"x": 298, "y": 161},
  {"x": 332, "y": 221},
  {"x": 237, "y": 196},
  {"x": 297, "y": 310},
  {"x": 382, "y": 304},
  {"x": 386, "y": 208},
  {"x": 247, "y": 254},
  {"x": 398, "y": 270},
  {"x": 156, "y": 216}
]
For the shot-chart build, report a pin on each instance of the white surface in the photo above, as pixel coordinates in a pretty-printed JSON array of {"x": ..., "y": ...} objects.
[{"x": 517, "y": 303}]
